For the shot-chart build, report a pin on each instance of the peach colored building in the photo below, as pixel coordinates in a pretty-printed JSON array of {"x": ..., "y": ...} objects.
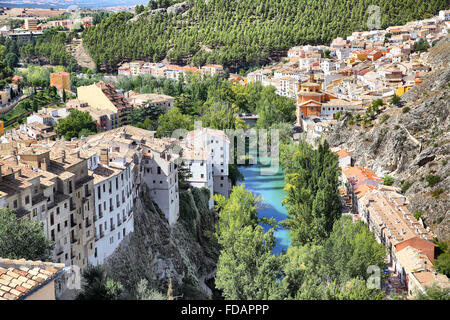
[{"x": 60, "y": 80}]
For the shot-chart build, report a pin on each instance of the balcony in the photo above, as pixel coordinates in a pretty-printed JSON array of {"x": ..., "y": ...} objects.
[
  {"x": 88, "y": 223},
  {"x": 73, "y": 240},
  {"x": 111, "y": 209},
  {"x": 37, "y": 199},
  {"x": 73, "y": 223},
  {"x": 21, "y": 212},
  {"x": 119, "y": 222},
  {"x": 95, "y": 218},
  {"x": 72, "y": 207},
  {"x": 113, "y": 227},
  {"x": 59, "y": 250},
  {"x": 102, "y": 234}
]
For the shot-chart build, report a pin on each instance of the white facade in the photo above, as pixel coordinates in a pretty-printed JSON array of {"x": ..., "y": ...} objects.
[
  {"x": 444, "y": 14},
  {"x": 161, "y": 176},
  {"x": 217, "y": 144},
  {"x": 113, "y": 203}
]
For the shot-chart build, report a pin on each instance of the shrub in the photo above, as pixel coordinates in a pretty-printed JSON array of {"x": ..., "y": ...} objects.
[
  {"x": 418, "y": 215},
  {"x": 384, "y": 118},
  {"x": 439, "y": 220},
  {"x": 395, "y": 99},
  {"x": 388, "y": 180},
  {"x": 406, "y": 109},
  {"x": 436, "y": 193},
  {"x": 432, "y": 180},
  {"x": 406, "y": 185}
]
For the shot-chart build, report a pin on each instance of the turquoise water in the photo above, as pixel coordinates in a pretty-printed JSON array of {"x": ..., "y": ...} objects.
[{"x": 270, "y": 188}]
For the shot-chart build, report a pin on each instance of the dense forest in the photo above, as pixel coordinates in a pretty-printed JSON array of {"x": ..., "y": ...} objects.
[
  {"x": 47, "y": 48},
  {"x": 239, "y": 33}
]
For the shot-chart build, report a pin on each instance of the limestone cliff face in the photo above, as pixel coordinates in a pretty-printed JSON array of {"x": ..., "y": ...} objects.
[
  {"x": 412, "y": 144},
  {"x": 187, "y": 252}
]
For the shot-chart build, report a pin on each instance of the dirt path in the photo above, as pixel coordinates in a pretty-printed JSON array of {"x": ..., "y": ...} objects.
[{"x": 80, "y": 54}]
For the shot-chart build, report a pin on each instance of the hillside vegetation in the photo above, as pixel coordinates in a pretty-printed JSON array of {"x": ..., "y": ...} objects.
[{"x": 238, "y": 33}]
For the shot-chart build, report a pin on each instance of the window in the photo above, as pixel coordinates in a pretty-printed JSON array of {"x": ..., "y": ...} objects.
[
  {"x": 52, "y": 219},
  {"x": 159, "y": 170},
  {"x": 27, "y": 199}
]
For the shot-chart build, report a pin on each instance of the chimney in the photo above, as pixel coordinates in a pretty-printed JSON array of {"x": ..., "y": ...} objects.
[
  {"x": 104, "y": 156},
  {"x": 63, "y": 155},
  {"x": 45, "y": 164}
]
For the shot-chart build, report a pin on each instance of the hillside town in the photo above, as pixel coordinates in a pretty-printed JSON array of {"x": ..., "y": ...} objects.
[{"x": 83, "y": 190}]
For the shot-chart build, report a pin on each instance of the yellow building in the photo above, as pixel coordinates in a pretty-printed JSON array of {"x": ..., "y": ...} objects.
[
  {"x": 401, "y": 90},
  {"x": 359, "y": 55},
  {"x": 103, "y": 96},
  {"x": 31, "y": 24}
]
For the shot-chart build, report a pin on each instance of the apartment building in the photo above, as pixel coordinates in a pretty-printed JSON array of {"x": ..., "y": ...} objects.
[
  {"x": 156, "y": 164},
  {"x": 113, "y": 199},
  {"x": 388, "y": 217},
  {"x": 52, "y": 186},
  {"x": 139, "y": 99},
  {"x": 217, "y": 144},
  {"x": 201, "y": 169},
  {"x": 103, "y": 96},
  {"x": 30, "y": 24},
  {"x": 213, "y": 69}
]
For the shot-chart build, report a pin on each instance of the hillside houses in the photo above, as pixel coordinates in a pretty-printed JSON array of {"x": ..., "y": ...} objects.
[
  {"x": 168, "y": 71},
  {"x": 409, "y": 243},
  {"x": 84, "y": 190}
]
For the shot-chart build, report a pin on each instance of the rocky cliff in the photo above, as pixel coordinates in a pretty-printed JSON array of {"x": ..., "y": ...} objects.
[
  {"x": 186, "y": 253},
  {"x": 411, "y": 143}
]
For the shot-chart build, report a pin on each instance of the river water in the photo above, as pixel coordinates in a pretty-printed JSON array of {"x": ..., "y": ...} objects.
[{"x": 270, "y": 188}]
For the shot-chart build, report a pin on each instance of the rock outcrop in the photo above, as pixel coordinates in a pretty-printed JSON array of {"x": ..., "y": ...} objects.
[
  {"x": 186, "y": 253},
  {"x": 178, "y": 8},
  {"x": 413, "y": 144}
]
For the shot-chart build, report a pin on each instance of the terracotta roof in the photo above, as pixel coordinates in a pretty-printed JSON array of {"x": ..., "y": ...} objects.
[
  {"x": 19, "y": 278},
  {"x": 343, "y": 153}
]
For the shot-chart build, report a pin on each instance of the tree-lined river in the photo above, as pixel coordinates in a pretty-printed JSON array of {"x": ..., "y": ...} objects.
[{"x": 270, "y": 188}]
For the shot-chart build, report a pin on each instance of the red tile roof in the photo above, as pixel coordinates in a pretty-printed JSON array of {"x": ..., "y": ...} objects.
[{"x": 19, "y": 278}]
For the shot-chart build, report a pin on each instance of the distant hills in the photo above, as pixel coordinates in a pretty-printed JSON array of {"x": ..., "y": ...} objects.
[{"x": 61, "y": 4}]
